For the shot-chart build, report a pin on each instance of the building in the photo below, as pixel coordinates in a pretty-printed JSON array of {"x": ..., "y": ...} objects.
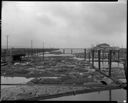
[{"x": 105, "y": 46}]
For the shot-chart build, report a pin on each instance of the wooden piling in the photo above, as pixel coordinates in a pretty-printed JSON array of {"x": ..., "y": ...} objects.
[
  {"x": 114, "y": 55},
  {"x": 108, "y": 58},
  {"x": 109, "y": 61},
  {"x": 43, "y": 54},
  {"x": 7, "y": 48},
  {"x": 71, "y": 51},
  {"x": 63, "y": 51},
  {"x": 92, "y": 57},
  {"x": 32, "y": 51},
  {"x": 10, "y": 57},
  {"x": 31, "y": 47},
  {"x": 125, "y": 69},
  {"x": 85, "y": 54},
  {"x": 118, "y": 57},
  {"x": 37, "y": 52},
  {"x": 102, "y": 56},
  {"x": 89, "y": 56},
  {"x": 27, "y": 52},
  {"x": 99, "y": 59}
]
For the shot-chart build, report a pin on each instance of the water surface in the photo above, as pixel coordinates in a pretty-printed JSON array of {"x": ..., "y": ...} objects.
[{"x": 110, "y": 95}]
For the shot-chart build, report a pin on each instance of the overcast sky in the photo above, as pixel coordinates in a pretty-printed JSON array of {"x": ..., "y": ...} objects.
[{"x": 64, "y": 24}]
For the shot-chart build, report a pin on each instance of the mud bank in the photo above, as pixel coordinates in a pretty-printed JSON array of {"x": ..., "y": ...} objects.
[{"x": 41, "y": 92}]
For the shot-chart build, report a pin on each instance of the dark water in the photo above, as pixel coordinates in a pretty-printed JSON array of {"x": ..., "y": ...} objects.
[
  {"x": 110, "y": 95},
  {"x": 114, "y": 95}
]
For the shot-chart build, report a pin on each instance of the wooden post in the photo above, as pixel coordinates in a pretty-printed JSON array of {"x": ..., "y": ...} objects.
[
  {"x": 10, "y": 57},
  {"x": 26, "y": 51},
  {"x": 7, "y": 43},
  {"x": 108, "y": 58},
  {"x": 102, "y": 56},
  {"x": 31, "y": 48},
  {"x": 92, "y": 57},
  {"x": 89, "y": 56},
  {"x": 40, "y": 54},
  {"x": 43, "y": 51},
  {"x": 99, "y": 59},
  {"x": 126, "y": 54},
  {"x": 109, "y": 61},
  {"x": 37, "y": 52},
  {"x": 63, "y": 51},
  {"x": 125, "y": 69},
  {"x": 23, "y": 50},
  {"x": 118, "y": 57},
  {"x": 7, "y": 49},
  {"x": 114, "y": 55},
  {"x": 85, "y": 54},
  {"x": 33, "y": 51},
  {"x": 43, "y": 54},
  {"x": 71, "y": 51},
  {"x": 29, "y": 52}
]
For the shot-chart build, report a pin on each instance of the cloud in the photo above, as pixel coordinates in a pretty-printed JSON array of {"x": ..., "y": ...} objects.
[{"x": 64, "y": 24}]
